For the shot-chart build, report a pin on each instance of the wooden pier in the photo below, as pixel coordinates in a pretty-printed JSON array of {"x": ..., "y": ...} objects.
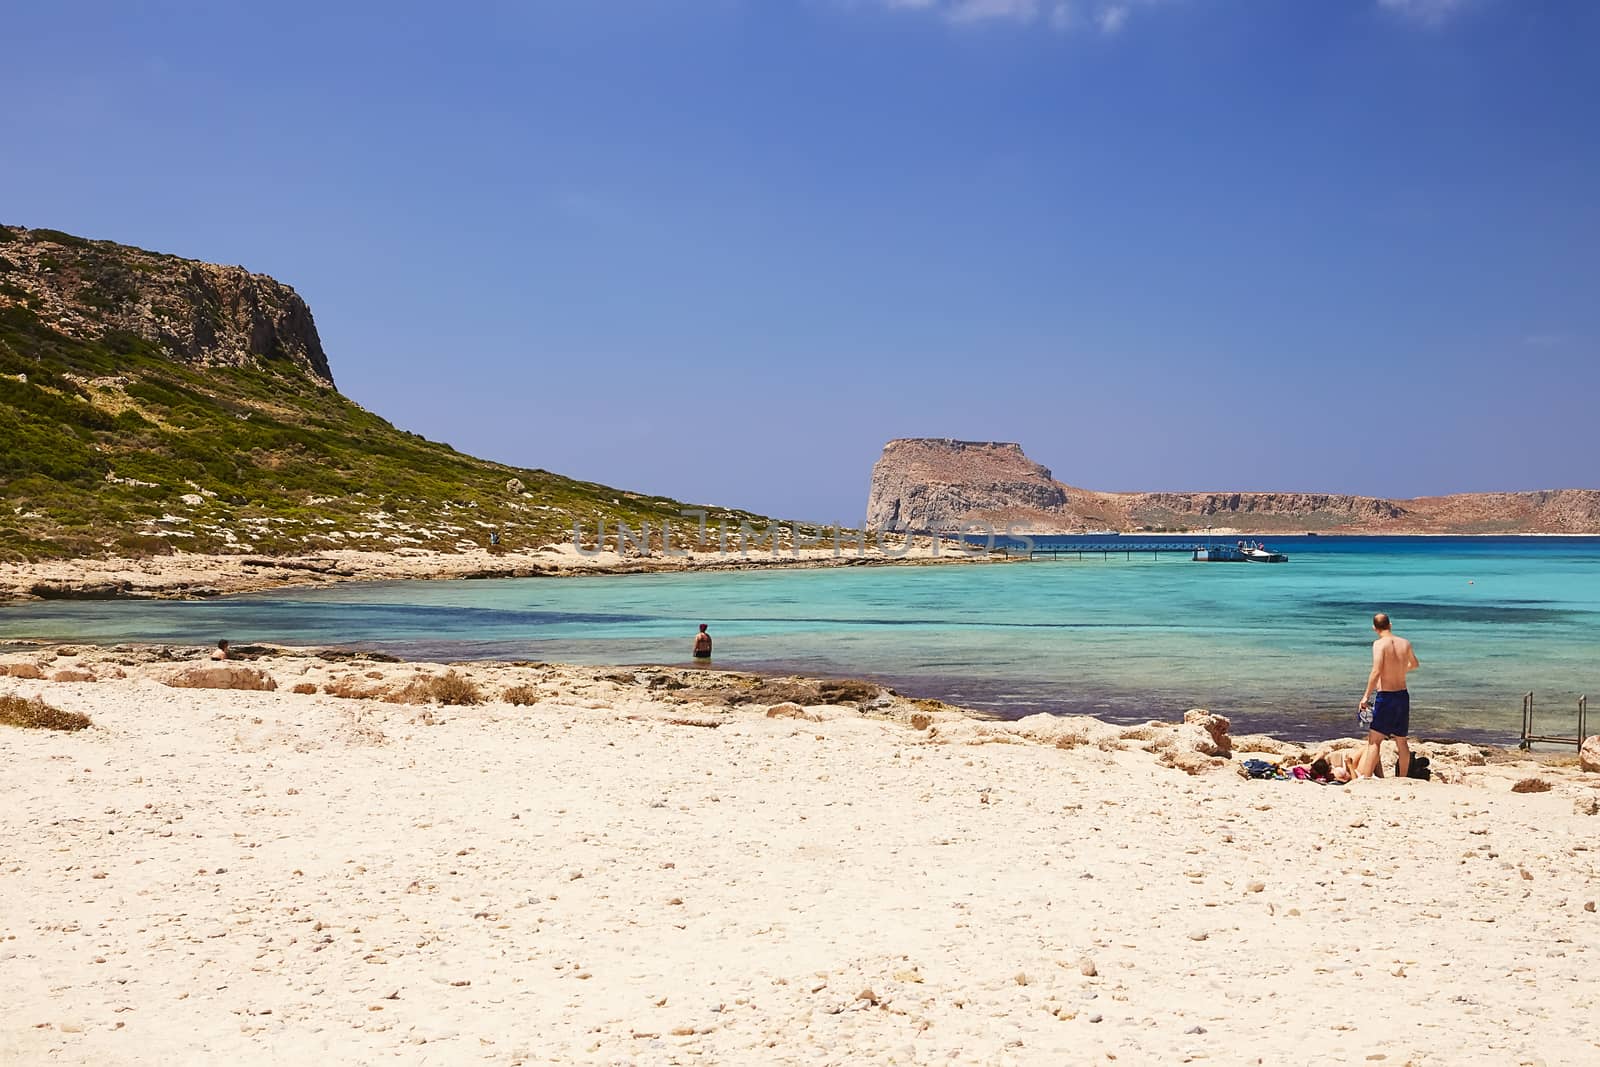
[
  {"x": 1106, "y": 548},
  {"x": 1199, "y": 551}
]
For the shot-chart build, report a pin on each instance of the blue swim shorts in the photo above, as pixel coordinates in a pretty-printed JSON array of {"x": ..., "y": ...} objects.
[{"x": 1391, "y": 713}]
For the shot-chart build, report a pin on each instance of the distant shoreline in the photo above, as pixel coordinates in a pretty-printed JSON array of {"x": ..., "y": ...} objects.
[{"x": 203, "y": 576}]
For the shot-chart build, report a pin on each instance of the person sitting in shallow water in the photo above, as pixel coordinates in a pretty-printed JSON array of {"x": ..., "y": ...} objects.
[{"x": 221, "y": 651}]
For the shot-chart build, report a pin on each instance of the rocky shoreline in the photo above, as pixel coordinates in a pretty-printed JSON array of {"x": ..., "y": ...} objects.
[{"x": 1199, "y": 744}]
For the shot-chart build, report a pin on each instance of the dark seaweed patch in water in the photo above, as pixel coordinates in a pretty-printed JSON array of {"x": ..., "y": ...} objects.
[
  {"x": 377, "y": 619},
  {"x": 294, "y": 622},
  {"x": 1497, "y": 611},
  {"x": 987, "y": 622},
  {"x": 413, "y": 612}
]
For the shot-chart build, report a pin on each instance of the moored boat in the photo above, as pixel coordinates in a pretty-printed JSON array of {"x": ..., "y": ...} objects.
[
  {"x": 1243, "y": 552},
  {"x": 1218, "y": 554}
]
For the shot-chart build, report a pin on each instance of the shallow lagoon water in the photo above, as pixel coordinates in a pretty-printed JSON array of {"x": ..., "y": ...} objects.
[{"x": 1278, "y": 647}]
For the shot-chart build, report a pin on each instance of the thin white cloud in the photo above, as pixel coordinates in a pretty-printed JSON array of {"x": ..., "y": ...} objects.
[
  {"x": 988, "y": 10},
  {"x": 1110, "y": 16},
  {"x": 1545, "y": 340},
  {"x": 1428, "y": 12},
  {"x": 1110, "y": 19},
  {"x": 1106, "y": 16}
]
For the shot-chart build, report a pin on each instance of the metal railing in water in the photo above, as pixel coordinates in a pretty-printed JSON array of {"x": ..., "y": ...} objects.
[{"x": 1529, "y": 738}]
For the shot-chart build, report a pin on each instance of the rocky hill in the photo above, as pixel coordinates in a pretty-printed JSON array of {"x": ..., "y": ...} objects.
[
  {"x": 923, "y": 484},
  {"x": 198, "y": 313},
  {"x": 149, "y": 402}
]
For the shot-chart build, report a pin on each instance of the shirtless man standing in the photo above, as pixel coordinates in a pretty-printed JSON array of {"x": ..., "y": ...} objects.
[{"x": 1392, "y": 657}]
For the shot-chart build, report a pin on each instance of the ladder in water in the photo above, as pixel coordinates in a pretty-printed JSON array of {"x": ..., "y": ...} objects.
[{"x": 1529, "y": 738}]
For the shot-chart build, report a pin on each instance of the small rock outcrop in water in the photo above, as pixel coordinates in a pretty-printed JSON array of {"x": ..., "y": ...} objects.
[
  {"x": 200, "y": 313},
  {"x": 924, "y": 484}
]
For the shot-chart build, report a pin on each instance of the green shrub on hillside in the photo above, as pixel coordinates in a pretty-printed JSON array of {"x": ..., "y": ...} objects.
[{"x": 281, "y": 462}]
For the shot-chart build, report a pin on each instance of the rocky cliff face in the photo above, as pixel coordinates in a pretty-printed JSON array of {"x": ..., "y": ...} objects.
[
  {"x": 1355, "y": 508},
  {"x": 199, "y": 313},
  {"x": 938, "y": 484},
  {"x": 1539, "y": 511},
  {"x": 928, "y": 484}
]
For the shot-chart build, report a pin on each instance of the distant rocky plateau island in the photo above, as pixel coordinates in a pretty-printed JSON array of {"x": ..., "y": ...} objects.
[{"x": 926, "y": 484}]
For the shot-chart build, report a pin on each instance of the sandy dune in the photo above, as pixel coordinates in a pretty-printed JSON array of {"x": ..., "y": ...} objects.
[{"x": 264, "y": 877}]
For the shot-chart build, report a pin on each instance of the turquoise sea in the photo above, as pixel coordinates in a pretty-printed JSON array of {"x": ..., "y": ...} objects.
[{"x": 1278, "y": 647}]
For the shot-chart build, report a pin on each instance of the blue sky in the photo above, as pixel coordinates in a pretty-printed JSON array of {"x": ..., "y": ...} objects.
[{"x": 724, "y": 249}]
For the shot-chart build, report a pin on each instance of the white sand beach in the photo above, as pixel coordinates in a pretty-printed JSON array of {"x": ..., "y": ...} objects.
[{"x": 614, "y": 874}]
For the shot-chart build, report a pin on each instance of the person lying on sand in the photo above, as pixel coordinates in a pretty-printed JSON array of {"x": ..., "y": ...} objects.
[{"x": 1322, "y": 770}]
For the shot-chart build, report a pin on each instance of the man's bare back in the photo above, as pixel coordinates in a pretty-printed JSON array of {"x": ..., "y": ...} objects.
[{"x": 1392, "y": 657}]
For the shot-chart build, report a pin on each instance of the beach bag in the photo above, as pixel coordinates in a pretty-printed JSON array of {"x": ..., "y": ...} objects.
[
  {"x": 1259, "y": 768},
  {"x": 1419, "y": 769}
]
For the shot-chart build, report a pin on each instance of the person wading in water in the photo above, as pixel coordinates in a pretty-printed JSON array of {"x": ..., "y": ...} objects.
[{"x": 702, "y": 644}]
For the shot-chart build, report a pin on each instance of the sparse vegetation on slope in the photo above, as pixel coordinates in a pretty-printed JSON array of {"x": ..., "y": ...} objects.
[{"x": 112, "y": 445}]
